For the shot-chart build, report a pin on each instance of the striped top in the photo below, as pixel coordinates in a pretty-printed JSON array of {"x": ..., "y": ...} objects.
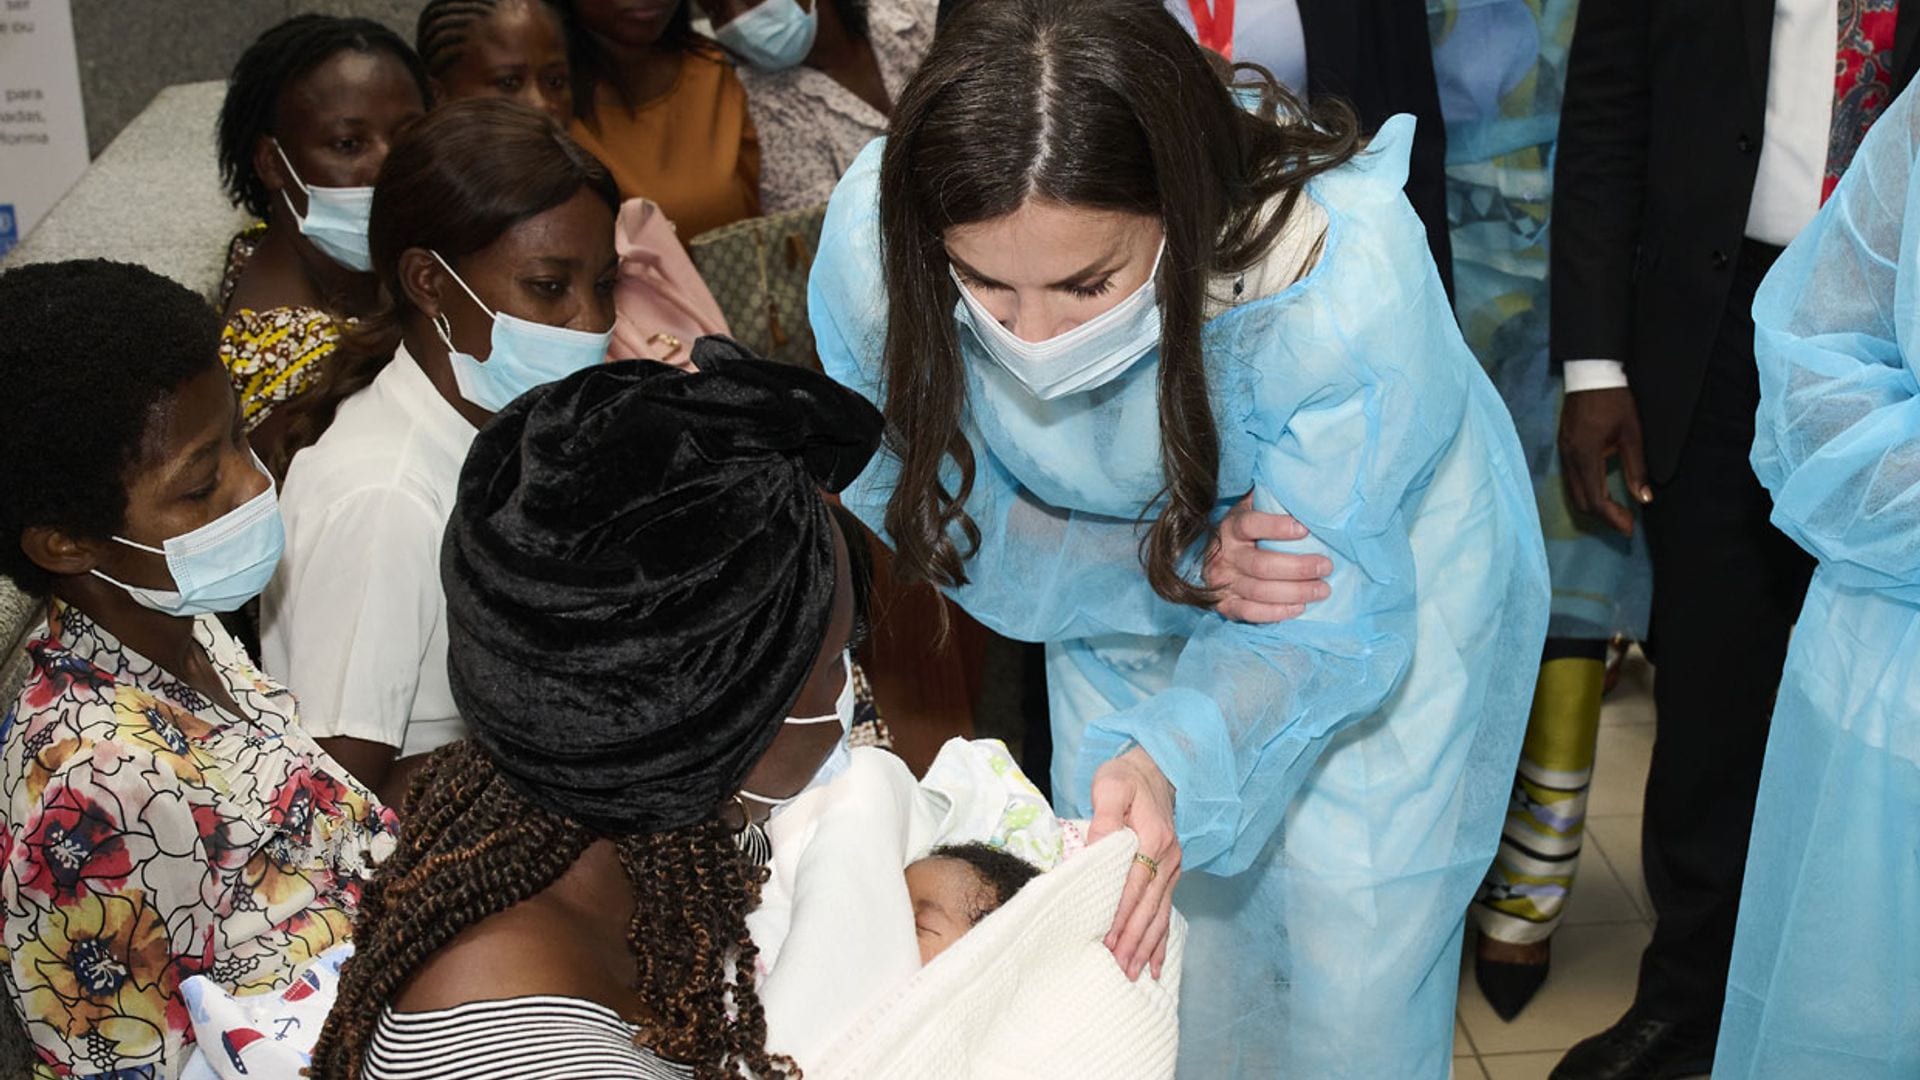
[{"x": 526, "y": 1038}]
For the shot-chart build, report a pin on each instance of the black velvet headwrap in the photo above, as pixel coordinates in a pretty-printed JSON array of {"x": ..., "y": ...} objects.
[{"x": 639, "y": 574}]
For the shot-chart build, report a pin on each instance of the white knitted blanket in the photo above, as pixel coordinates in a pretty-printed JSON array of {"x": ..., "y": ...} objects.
[{"x": 1029, "y": 992}]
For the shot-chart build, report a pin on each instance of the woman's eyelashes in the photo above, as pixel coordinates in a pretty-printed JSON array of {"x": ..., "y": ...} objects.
[
  {"x": 1080, "y": 291},
  {"x": 1088, "y": 292}
]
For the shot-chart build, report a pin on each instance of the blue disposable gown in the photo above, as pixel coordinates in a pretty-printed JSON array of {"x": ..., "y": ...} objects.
[
  {"x": 1825, "y": 980},
  {"x": 1340, "y": 778}
]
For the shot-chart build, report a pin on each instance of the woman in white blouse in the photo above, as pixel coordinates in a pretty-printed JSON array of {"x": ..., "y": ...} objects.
[{"x": 492, "y": 235}]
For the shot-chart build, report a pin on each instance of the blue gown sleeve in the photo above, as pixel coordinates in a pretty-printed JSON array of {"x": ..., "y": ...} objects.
[
  {"x": 1350, "y": 416},
  {"x": 1837, "y": 433},
  {"x": 1078, "y": 573}
]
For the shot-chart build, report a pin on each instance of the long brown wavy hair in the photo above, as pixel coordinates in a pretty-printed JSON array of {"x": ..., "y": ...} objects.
[
  {"x": 458, "y": 179},
  {"x": 1106, "y": 104},
  {"x": 472, "y": 847}
]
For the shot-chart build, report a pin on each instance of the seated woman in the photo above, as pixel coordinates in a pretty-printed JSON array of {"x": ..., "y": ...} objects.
[
  {"x": 820, "y": 83},
  {"x": 645, "y": 583},
  {"x": 492, "y": 236},
  {"x": 164, "y": 814},
  {"x": 311, "y": 109},
  {"x": 514, "y": 49},
  {"x": 663, "y": 108}
]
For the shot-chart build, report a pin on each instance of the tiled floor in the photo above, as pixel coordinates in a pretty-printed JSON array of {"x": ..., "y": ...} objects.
[{"x": 1596, "y": 952}]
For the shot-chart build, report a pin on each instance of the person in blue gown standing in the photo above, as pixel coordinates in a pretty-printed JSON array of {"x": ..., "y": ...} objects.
[
  {"x": 1100, "y": 305},
  {"x": 1825, "y": 980}
]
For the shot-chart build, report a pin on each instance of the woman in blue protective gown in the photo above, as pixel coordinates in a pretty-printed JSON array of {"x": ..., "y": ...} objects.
[
  {"x": 1099, "y": 305},
  {"x": 1825, "y": 980}
]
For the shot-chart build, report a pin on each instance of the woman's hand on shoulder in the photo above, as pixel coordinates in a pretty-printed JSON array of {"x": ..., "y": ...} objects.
[
  {"x": 1259, "y": 586},
  {"x": 1130, "y": 791}
]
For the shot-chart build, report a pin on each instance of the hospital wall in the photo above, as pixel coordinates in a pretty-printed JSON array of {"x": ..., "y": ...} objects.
[{"x": 131, "y": 49}]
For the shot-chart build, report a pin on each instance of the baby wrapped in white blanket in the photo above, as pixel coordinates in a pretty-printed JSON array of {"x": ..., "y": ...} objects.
[{"x": 1030, "y": 991}]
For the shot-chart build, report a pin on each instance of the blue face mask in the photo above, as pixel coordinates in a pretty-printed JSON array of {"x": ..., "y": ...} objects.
[
  {"x": 220, "y": 565},
  {"x": 336, "y": 218},
  {"x": 525, "y": 355},
  {"x": 773, "y": 35}
]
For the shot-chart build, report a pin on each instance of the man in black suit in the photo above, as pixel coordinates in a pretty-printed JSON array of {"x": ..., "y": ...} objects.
[
  {"x": 1374, "y": 54},
  {"x": 1697, "y": 137}
]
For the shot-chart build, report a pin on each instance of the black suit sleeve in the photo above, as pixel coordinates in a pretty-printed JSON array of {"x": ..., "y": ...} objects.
[{"x": 1600, "y": 181}]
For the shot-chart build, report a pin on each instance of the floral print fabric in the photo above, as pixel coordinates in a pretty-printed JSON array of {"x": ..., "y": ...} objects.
[{"x": 147, "y": 836}]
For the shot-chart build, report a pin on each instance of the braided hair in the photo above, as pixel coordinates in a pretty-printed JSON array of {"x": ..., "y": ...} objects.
[
  {"x": 284, "y": 53},
  {"x": 440, "y": 36},
  {"x": 473, "y": 847}
]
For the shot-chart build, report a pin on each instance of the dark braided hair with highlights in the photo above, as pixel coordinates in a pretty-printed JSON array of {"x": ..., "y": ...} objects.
[{"x": 473, "y": 847}]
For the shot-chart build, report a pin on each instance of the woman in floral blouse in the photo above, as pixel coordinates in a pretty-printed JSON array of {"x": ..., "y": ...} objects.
[{"x": 161, "y": 813}]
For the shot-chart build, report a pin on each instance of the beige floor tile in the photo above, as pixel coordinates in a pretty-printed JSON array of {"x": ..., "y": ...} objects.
[
  {"x": 1598, "y": 894},
  {"x": 1617, "y": 836},
  {"x": 1632, "y": 700},
  {"x": 1462, "y": 1046},
  {"x": 1594, "y": 969},
  {"x": 1620, "y": 769},
  {"x": 1520, "y": 1066},
  {"x": 1467, "y": 1067}
]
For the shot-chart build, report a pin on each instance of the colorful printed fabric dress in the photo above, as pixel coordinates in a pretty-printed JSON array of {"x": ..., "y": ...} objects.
[
  {"x": 148, "y": 836},
  {"x": 1501, "y": 68}
]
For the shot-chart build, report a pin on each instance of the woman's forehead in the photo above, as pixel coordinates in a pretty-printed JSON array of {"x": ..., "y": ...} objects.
[{"x": 1044, "y": 242}]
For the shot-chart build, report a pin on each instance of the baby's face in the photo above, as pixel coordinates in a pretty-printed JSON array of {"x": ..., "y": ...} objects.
[{"x": 945, "y": 894}]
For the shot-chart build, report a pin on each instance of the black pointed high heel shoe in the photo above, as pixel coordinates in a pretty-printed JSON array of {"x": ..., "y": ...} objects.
[{"x": 1508, "y": 986}]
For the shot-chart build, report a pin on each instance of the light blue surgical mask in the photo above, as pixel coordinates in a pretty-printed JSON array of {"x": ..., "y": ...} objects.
[
  {"x": 773, "y": 35},
  {"x": 525, "y": 354},
  {"x": 1090, "y": 355},
  {"x": 336, "y": 218},
  {"x": 220, "y": 565},
  {"x": 840, "y": 759}
]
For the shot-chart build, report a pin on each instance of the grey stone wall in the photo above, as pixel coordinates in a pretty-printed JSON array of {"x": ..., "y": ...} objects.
[{"x": 130, "y": 49}]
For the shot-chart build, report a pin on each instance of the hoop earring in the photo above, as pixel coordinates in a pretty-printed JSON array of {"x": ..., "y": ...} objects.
[{"x": 751, "y": 839}]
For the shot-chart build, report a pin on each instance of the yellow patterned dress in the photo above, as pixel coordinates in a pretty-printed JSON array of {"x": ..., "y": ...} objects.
[{"x": 273, "y": 355}]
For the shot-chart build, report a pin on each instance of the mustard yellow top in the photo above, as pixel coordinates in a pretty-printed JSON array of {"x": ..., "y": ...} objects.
[{"x": 692, "y": 150}]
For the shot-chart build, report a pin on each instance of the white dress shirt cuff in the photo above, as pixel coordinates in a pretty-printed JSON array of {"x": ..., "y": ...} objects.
[{"x": 1594, "y": 375}]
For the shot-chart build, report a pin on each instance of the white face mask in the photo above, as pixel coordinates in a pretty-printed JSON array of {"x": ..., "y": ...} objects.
[
  {"x": 336, "y": 218},
  {"x": 773, "y": 35},
  {"x": 842, "y": 756},
  {"x": 1090, "y": 355}
]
